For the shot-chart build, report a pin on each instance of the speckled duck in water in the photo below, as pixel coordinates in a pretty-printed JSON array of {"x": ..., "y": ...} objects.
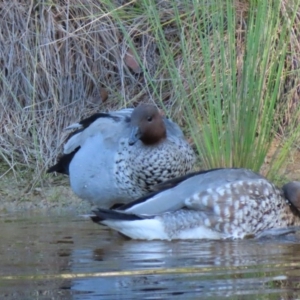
[
  {"x": 119, "y": 156},
  {"x": 213, "y": 204}
]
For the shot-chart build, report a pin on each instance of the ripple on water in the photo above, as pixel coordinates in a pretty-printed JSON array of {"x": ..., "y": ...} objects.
[{"x": 67, "y": 257}]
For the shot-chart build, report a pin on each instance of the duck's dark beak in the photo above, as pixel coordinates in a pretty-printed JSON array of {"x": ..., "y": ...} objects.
[{"x": 135, "y": 135}]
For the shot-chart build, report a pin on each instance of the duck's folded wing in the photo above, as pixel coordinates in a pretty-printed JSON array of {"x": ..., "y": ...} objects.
[
  {"x": 175, "y": 181},
  {"x": 108, "y": 125},
  {"x": 155, "y": 203},
  {"x": 230, "y": 198},
  {"x": 196, "y": 191},
  {"x": 173, "y": 129}
]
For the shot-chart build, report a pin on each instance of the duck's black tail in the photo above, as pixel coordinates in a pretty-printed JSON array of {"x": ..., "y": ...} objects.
[
  {"x": 102, "y": 214},
  {"x": 63, "y": 163}
]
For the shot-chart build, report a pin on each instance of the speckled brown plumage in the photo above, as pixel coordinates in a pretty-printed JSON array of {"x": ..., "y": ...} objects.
[
  {"x": 236, "y": 210},
  {"x": 213, "y": 204}
]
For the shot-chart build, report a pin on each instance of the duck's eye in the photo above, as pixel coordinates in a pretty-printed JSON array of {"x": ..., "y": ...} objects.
[{"x": 149, "y": 119}]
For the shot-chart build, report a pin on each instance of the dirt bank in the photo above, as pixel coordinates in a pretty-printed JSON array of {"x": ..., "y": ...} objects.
[{"x": 49, "y": 196}]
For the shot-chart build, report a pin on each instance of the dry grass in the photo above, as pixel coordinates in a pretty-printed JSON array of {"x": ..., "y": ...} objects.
[{"x": 61, "y": 60}]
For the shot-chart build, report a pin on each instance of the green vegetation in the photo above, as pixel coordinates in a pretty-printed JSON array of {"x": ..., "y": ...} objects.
[{"x": 226, "y": 71}]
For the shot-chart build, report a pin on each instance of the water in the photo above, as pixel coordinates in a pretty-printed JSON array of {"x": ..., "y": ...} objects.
[{"x": 68, "y": 257}]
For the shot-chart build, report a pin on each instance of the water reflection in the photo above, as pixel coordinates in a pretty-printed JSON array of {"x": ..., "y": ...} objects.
[{"x": 42, "y": 253}]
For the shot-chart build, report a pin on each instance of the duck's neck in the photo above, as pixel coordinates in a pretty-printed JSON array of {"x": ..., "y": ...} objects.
[{"x": 293, "y": 213}]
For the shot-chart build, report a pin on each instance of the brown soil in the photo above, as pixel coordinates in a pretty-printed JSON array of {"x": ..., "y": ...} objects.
[
  {"x": 290, "y": 171},
  {"x": 52, "y": 196}
]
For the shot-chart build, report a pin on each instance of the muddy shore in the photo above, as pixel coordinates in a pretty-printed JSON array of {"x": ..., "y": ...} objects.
[{"x": 16, "y": 195}]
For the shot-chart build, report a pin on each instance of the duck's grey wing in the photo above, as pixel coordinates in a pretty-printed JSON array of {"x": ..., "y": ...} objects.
[
  {"x": 189, "y": 192},
  {"x": 234, "y": 208},
  {"x": 172, "y": 128},
  {"x": 229, "y": 198},
  {"x": 87, "y": 121},
  {"x": 84, "y": 123},
  {"x": 110, "y": 126},
  {"x": 175, "y": 181}
]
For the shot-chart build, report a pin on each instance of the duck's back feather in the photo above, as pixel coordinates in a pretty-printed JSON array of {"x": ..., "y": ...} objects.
[
  {"x": 173, "y": 194},
  {"x": 109, "y": 125}
]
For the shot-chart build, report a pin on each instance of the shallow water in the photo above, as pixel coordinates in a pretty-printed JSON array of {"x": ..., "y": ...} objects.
[{"x": 67, "y": 257}]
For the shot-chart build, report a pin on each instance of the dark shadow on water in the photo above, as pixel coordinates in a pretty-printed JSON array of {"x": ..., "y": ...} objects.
[{"x": 43, "y": 254}]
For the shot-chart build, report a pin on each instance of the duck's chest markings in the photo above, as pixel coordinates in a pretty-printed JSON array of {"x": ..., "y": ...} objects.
[{"x": 138, "y": 168}]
